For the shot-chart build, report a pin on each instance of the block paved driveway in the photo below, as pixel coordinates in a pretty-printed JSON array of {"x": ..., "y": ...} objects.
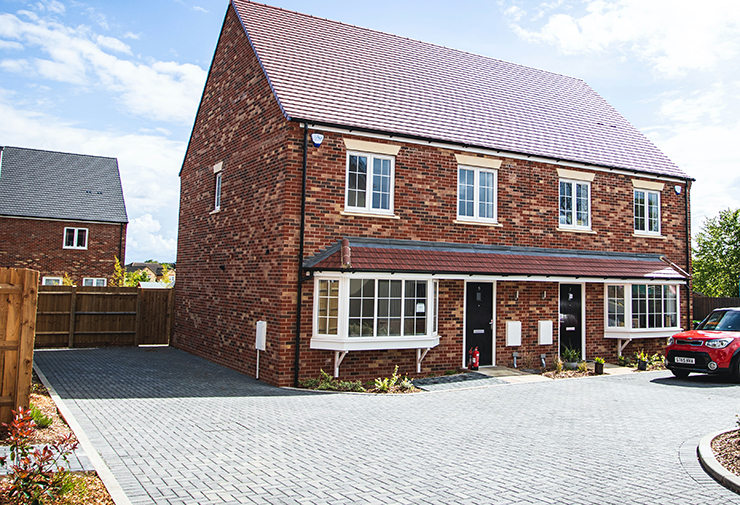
[{"x": 176, "y": 429}]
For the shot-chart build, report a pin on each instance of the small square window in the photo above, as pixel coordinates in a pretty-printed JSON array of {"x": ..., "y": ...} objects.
[
  {"x": 51, "y": 281},
  {"x": 75, "y": 238}
]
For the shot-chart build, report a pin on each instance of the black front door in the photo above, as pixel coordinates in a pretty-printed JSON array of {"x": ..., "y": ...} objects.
[
  {"x": 478, "y": 316},
  {"x": 570, "y": 317}
]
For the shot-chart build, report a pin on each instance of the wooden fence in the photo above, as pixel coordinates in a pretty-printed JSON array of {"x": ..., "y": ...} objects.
[
  {"x": 703, "y": 305},
  {"x": 87, "y": 316},
  {"x": 18, "y": 298}
]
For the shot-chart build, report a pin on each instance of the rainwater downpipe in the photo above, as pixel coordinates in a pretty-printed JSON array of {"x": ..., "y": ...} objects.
[
  {"x": 297, "y": 364},
  {"x": 689, "y": 322}
]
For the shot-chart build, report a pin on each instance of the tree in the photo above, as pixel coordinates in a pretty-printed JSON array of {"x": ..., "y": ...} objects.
[
  {"x": 717, "y": 255},
  {"x": 119, "y": 275}
]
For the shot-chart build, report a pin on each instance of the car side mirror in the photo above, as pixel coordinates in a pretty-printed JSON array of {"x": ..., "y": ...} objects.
[{"x": 695, "y": 325}]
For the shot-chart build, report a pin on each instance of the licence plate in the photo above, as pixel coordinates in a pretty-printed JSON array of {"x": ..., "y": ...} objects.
[{"x": 685, "y": 361}]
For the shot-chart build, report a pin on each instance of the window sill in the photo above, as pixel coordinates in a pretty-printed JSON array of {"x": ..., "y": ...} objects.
[
  {"x": 649, "y": 235},
  {"x": 368, "y": 214},
  {"x": 373, "y": 343},
  {"x": 478, "y": 223},
  {"x": 576, "y": 230},
  {"x": 214, "y": 212},
  {"x": 75, "y": 248},
  {"x": 641, "y": 333}
]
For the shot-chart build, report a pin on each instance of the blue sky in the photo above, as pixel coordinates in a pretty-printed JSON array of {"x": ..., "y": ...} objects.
[{"x": 124, "y": 79}]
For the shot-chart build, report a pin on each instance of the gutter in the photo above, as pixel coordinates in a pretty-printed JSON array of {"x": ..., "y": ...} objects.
[{"x": 299, "y": 301}]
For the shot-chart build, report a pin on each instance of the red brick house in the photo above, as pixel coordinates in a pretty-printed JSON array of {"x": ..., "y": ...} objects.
[
  {"x": 61, "y": 214},
  {"x": 419, "y": 201}
]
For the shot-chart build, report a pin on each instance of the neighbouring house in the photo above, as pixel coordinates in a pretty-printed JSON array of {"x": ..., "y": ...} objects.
[
  {"x": 62, "y": 214},
  {"x": 155, "y": 271},
  {"x": 382, "y": 201}
]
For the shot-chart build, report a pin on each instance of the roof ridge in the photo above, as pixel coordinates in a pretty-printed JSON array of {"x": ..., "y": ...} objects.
[
  {"x": 59, "y": 152},
  {"x": 460, "y": 51}
]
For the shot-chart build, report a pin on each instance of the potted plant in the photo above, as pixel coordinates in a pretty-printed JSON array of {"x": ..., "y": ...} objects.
[
  {"x": 571, "y": 357},
  {"x": 598, "y": 366},
  {"x": 642, "y": 360}
]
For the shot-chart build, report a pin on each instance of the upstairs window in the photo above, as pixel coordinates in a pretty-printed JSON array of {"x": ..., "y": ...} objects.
[
  {"x": 647, "y": 211},
  {"x": 477, "y": 194},
  {"x": 95, "y": 281},
  {"x": 217, "y": 203},
  {"x": 575, "y": 204},
  {"x": 75, "y": 238},
  {"x": 369, "y": 183}
]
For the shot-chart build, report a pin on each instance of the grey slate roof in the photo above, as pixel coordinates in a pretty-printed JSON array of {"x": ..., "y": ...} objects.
[
  {"x": 332, "y": 73},
  {"x": 54, "y": 185}
]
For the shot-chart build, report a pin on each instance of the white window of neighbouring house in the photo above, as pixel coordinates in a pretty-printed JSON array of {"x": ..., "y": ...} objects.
[
  {"x": 575, "y": 204},
  {"x": 369, "y": 183},
  {"x": 477, "y": 194},
  {"x": 95, "y": 281},
  {"x": 51, "y": 281},
  {"x": 75, "y": 238},
  {"x": 647, "y": 211},
  {"x": 642, "y": 306},
  {"x": 328, "y": 307}
]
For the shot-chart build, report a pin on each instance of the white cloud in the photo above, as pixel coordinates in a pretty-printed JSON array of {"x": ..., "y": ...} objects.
[
  {"x": 673, "y": 37},
  {"x": 18, "y": 66},
  {"x": 149, "y": 166},
  {"x": 130, "y": 35},
  {"x": 706, "y": 104},
  {"x": 51, "y": 6},
  {"x": 165, "y": 91},
  {"x": 199, "y": 8},
  {"x": 9, "y": 45},
  {"x": 112, "y": 44}
]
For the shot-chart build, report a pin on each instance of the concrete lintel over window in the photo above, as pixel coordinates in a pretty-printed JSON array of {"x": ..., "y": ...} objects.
[
  {"x": 649, "y": 185},
  {"x": 564, "y": 173},
  {"x": 371, "y": 147},
  {"x": 474, "y": 161},
  {"x": 218, "y": 167}
]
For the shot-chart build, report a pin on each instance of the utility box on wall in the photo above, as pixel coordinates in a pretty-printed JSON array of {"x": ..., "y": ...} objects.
[
  {"x": 544, "y": 332},
  {"x": 260, "y": 339},
  {"x": 513, "y": 333}
]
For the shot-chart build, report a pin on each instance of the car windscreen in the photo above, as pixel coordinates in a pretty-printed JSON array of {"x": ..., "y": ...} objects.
[{"x": 723, "y": 320}]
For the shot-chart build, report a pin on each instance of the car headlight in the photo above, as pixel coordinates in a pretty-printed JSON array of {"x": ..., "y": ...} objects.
[
  {"x": 670, "y": 340},
  {"x": 718, "y": 343}
]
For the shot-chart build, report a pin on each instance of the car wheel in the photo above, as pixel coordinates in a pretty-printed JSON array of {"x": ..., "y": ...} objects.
[
  {"x": 681, "y": 374},
  {"x": 736, "y": 370}
]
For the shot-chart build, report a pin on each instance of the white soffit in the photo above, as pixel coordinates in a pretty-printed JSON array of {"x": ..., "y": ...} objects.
[
  {"x": 474, "y": 161},
  {"x": 371, "y": 147},
  {"x": 653, "y": 186},
  {"x": 564, "y": 173}
]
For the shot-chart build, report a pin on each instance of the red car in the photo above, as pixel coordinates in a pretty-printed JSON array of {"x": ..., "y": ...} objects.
[{"x": 713, "y": 347}]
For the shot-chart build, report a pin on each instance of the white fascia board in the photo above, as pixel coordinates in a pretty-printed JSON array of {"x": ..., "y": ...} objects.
[
  {"x": 494, "y": 152},
  {"x": 656, "y": 333}
]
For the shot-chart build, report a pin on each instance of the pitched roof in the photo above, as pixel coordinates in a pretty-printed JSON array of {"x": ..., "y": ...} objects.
[
  {"x": 337, "y": 74},
  {"x": 155, "y": 268},
  {"x": 407, "y": 256},
  {"x": 54, "y": 185}
]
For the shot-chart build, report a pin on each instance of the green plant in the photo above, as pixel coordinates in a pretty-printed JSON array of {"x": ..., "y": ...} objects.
[
  {"x": 326, "y": 382},
  {"x": 406, "y": 384},
  {"x": 623, "y": 361},
  {"x": 385, "y": 385},
  {"x": 582, "y": 367},
  {"x": 36, "y": 474},
  {"x": 558, "y": 365},
  {"x": 599, "y": 360},
  {"x": 448, "y": 372},
  {"x": 571, "y": 355},
  {"x": 39, "y": 418}
]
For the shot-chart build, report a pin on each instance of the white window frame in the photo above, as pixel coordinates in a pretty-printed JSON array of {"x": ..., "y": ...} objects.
[
  {"x": 368, "y": 207},
  {"x": 627, "y": 331},
  {"x": 76, "y": 238},
  {"x": 476, "y": 194},
  {"x": 217, "y": 199},
  {"x": 95, "y": 282},
  {"x": 647, "y": 192},
  {"x": 574, "y": 207},
  {"x": 52, "y": 281},
  {"x": 343, "y": 342}
]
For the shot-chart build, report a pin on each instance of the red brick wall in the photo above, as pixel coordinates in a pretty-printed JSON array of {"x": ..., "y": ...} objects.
[
  {"x": 255, "y": 235},
  {"x": 37, "y": 244}
]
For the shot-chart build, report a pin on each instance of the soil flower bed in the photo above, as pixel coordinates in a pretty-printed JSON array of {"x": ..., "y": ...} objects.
[
  {"x": 726, "y": 448},
  {"x": 86, "y": 488}
]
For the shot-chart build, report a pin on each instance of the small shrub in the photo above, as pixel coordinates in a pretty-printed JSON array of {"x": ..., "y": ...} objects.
[
  {"x": 35, "y": 474},
  {"x": 406, "y": 384},
  {"x": 558, "y": 365},
  {"x": 39, "y": 418},
  {"x": 384, "y": 385},
  {"x": 447, "y": 372},
  {"x": 599, "y": 360},
  {"x": 309, "y": 383},
  {"x": 641, "y": 355},
  {"x": 571, "y": 355},
  {"x": 582, "y": 367}
]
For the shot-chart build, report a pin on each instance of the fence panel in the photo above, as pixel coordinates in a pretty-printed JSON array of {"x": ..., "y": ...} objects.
[
  {"x": 18, "y": 299},
  {"x": 102, "y": 316},
  {"x": 703, "y": 305}
]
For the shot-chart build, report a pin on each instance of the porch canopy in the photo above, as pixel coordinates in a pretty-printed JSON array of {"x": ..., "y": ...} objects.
[{"x": 444, "y": 259}]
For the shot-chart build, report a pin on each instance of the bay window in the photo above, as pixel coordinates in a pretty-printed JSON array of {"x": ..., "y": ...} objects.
[{"x": 642, "y": 307}]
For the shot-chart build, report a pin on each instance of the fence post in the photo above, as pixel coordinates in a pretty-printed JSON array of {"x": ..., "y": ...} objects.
[
  {"x": 72, "y": 317},
  {"x": 139, "y": 303},
  {"x": 170, "y": 313}
]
